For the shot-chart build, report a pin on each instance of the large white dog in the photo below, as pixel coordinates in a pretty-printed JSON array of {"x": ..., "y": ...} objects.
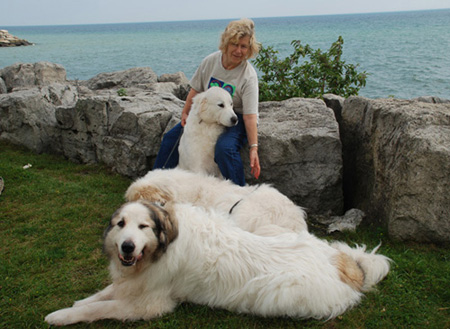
[
  {"x": 260, "y": 209},
  {"x": 159, "y": 258},
  {"x": 211, "y": 112}
]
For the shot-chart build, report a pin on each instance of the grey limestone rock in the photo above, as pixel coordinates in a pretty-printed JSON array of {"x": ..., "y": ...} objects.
[{"x": 397, "y": 165}]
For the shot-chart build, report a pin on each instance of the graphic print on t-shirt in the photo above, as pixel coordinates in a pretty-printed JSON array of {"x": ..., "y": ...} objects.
[{"x": 213, "y": 82}]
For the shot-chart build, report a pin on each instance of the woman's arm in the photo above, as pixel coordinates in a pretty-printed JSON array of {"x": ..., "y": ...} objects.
[
  {"x": 187, "y": 106},
  {"x": 251, "y": 127}
]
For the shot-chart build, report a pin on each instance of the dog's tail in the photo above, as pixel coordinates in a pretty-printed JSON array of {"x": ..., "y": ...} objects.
[{"x": 360, "y": 269}]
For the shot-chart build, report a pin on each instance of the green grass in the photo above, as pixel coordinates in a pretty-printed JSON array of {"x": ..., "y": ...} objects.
[{"x": 52, "y": 217}]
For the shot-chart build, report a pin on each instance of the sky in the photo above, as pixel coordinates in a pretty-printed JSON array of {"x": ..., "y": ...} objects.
[{"x": 68, "y": 12}]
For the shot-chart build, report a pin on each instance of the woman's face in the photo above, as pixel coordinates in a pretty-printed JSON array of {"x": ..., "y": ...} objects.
[{"x": 237, "y": 51}]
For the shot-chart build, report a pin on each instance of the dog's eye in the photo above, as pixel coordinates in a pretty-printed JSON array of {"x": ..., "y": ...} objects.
[
  {"x": 121, "y": 223},
  {"x": 142, "y": 226},
  {"x": 221, "y": 105}
]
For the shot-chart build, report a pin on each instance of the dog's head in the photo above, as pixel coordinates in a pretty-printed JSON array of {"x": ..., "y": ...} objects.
[
  {"x": 216, "y": 106},
  {"x": 139, "y": 232}
]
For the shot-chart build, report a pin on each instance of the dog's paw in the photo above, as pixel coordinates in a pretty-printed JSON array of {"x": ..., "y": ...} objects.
[
  {"x": 53, "y": 319},
  {"x": 59, "y": 318}
]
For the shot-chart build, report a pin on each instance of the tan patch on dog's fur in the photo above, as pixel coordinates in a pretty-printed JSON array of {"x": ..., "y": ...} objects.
[
  {"x": 349, "y": 271},
  {"x": 148, "y": 193}
]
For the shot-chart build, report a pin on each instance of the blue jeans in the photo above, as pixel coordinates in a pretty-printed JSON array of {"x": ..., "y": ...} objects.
[{"x": 227, "y": 153}]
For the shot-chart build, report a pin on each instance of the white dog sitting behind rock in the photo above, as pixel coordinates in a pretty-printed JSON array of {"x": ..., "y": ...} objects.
[
  {"x": 211, "y": 112},
  {"x": 183, "y": 253},
  {"x": 260, "y": 209}
]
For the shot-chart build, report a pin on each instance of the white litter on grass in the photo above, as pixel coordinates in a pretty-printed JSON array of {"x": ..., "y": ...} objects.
[
  {"x": 27, "y": 166},
  {"x": 348, "y": 222}
]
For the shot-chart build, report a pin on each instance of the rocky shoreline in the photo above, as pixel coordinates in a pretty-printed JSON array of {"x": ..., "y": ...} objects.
[
  {"x": 389, "y": 158},
  {"x": 8, "y": 40}
]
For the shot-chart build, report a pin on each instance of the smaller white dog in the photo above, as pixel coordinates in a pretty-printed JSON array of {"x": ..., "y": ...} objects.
[
  {"x": 160, "y": 257},
  {"x": 260, "y": 209},
  {"x": 211, "y": 112}
]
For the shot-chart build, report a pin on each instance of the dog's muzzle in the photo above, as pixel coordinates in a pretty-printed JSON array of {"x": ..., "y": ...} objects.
[{"x": 126, "y": 254}]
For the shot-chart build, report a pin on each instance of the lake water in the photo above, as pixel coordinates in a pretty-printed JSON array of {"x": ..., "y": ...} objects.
[{"x": 407, "y": 54}]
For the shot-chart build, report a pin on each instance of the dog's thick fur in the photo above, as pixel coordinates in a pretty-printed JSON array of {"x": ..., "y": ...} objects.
[
  {"x": 211, "y": 112},
  {"x": 186, "y": 253},
  {"x": 260, "y": 209}
]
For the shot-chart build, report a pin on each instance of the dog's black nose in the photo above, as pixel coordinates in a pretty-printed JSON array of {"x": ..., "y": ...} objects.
[
  {"x": 128, "y": 247},
  {"x": 234, "y": 121}
]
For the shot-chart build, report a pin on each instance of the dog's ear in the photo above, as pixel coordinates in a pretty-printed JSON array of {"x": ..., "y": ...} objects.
[
  {"x": 116, "y": 213},
  {"x": 109, "y": 228},
  {"x": 169, "y": 225},
  {"x": 166, "y": 228},
  {"x": 149, "y": 193},
  {"x": 202, "y": 105},
  {"x": 198, "y": 99}
]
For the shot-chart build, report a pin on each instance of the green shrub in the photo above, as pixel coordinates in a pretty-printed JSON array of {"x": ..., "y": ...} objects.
[{"x": 296, "y": 76}]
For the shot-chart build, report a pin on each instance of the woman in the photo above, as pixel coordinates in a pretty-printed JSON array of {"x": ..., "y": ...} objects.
[{"x": 228, "y": 68}]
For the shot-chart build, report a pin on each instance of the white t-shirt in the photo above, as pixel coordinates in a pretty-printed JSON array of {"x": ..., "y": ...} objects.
[{"x": 241, "y": 82}]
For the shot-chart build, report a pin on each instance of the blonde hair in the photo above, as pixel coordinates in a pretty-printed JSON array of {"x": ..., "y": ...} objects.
[{"x": 237, "y": 30}]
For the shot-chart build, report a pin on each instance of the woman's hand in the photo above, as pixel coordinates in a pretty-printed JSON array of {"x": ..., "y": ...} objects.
[
  {"x": 254, "y": 162},
  {"x": 184, "y": 116},
  {"x": 251, "y": 128}
]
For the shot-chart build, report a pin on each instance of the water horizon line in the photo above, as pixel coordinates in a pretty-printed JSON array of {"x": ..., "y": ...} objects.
[{"x": 220, "y": 19}]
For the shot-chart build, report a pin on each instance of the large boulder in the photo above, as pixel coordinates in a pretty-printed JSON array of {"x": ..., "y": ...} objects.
[
  {"x": 3, "y": 89},
  {"x": 180, "y": 84},
  {"x": 27, "y": 75},
  {"x": 139, "y": 76},
  {"x": 301, "y": 154},
  {"x": 27, "y": 117},
  {"x": 122, "y": 132},
  {"x": 397, "y": 165}
]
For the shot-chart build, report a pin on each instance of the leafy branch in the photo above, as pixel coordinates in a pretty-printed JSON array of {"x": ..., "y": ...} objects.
[{"x": 307, "y": 73}]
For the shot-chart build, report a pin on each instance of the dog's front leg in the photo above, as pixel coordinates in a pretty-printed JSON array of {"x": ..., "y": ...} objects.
[
  {"x": 105, "y": 294},
  {"x": 111, "y": 309},
  {"x": 87, "y": 313}
]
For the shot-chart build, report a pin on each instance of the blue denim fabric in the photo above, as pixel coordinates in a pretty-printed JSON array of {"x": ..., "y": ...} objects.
[{"x": 227, "y": 152}]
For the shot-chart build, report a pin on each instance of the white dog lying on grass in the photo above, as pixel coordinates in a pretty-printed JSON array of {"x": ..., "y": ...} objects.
[
  {"x": 161, "y": 257},
  {"x": 211, "y": 112},
  {"x": 260, "y": 209}
]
